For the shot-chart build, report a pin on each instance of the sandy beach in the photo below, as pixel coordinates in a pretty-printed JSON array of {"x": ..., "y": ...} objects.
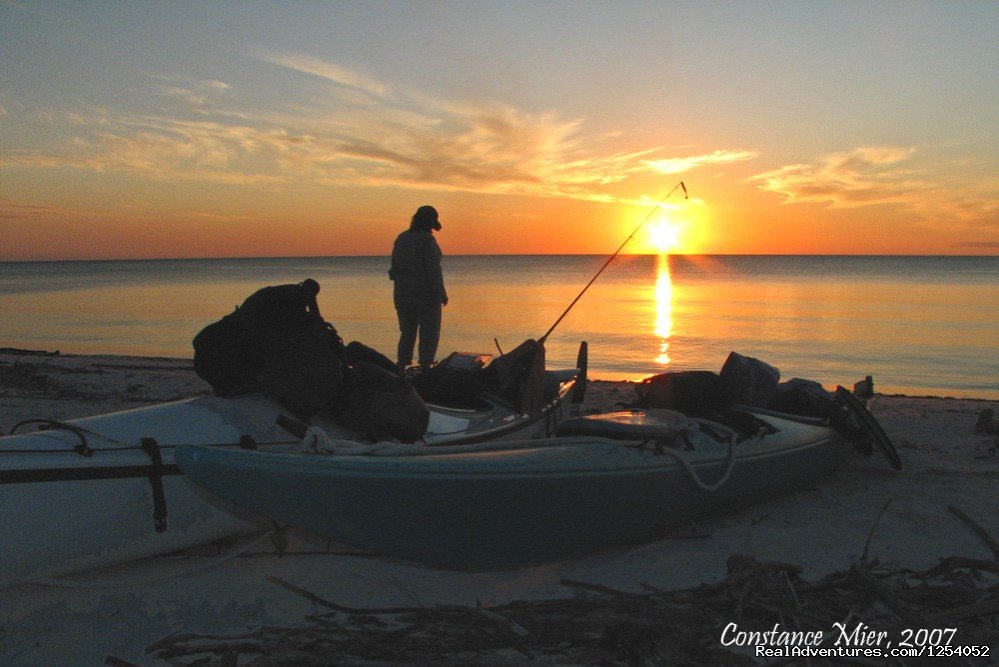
[{"x": 901, "y": 518}]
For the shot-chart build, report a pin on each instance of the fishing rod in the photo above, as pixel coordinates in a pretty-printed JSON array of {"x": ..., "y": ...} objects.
[{"x": 611, "y": 258}]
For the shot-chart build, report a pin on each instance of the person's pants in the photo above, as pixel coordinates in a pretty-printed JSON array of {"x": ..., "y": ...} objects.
[{"x": 423, "y": 319}]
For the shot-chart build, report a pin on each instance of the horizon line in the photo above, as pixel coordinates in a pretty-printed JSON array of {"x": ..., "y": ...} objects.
[{"x": 15, "y": 260}]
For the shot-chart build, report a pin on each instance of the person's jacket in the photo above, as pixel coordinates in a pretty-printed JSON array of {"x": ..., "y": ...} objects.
[{"x": 416, "y": 267}]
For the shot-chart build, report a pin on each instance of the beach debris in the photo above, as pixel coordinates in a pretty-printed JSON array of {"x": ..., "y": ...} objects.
[
  {"x": 977, "y": 529},
  {"x": 864, "y": 389},
  {"x": 986, "y": 424},
  {"x": 28, "y": 378},
  {"x": 598, "y": 624},
  {"x": 90, "y": 381},
  {"x": 870, "y": 535}
]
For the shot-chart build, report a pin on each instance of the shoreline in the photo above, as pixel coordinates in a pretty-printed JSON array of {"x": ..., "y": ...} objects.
[{"x": 184, "y": 362}]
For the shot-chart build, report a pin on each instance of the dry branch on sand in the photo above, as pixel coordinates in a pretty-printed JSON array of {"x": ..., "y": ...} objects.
[{"x": 601, "y": 625}]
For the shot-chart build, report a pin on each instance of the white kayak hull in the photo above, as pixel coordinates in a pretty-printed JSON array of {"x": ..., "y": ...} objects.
[{"x": 102, "y": 490}]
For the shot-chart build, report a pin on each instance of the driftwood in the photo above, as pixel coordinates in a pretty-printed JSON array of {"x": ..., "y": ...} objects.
[
  {"x": 599, "y": 625},
  {"x": 980, "y": 532},
  {"x": 986, "y": 424},
  {"x": 602, "y": 625}
]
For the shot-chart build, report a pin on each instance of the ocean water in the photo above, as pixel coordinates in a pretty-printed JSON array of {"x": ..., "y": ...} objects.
[{"x": 918, "y": 325}]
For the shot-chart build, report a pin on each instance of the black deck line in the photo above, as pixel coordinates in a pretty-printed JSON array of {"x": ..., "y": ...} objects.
[{"x": 35, "y": 475}]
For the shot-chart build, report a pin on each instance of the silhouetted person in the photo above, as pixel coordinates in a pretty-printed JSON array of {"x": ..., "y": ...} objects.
[
  {"x": 282, "y": 305},
  {"x": 419, "y": 287}
]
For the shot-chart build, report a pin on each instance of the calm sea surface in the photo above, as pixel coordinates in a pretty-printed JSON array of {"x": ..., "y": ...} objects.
[{"x": 919, "y": 325}]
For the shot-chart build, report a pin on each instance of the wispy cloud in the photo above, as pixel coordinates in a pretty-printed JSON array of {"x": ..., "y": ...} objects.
[
  {"x": 932, "y": 190},
  {"x": 196, "y": 93},
  {"x": 325, "y": 70},
  {"x": 679, "y": 165},
  {"x": 864, "y": 176},
  {"x": 356, "y": 132},
  {"x": 14, "y": 210}
]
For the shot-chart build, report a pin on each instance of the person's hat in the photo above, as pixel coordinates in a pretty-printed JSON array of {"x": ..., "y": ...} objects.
[{"x": 428, "y": 213}]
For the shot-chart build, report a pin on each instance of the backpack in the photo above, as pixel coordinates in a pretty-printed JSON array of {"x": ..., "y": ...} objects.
[
  {"x": 357, "y": 351},
  {"x": 749, "y": 381},
  {"x": 518, "y": 377},
  {"x": 457, "y": 381},
  {"x": 225, "y": 357},
  {"x": 803, "y": 397},
  {"x": 303, "y": 368},
  {"x": 694, "y": 393},
  {"x": 381, "y": 405}
]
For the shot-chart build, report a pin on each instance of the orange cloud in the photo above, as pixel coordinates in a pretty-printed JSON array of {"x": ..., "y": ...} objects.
[
  {"x": 858, "y": 178},
  {"x": 359, "y": 132},
  {"x": 934, "y": 192}
]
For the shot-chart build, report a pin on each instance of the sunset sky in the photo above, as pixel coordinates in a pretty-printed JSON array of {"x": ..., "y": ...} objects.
[{"x": 218, "y": 129}]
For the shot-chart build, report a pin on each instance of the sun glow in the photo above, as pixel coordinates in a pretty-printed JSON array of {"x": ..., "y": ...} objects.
[{"x": 664, "y": 235}]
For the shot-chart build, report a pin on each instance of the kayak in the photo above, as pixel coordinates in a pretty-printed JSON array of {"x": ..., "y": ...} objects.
[
  {"x": 102, "y": 490},
  {"x": 601, "y": 481}
]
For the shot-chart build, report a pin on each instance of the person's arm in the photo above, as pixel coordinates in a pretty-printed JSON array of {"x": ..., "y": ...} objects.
[
  {"x": 312, "y": 306},
  {"x": 308, "y": 290},
  {"x": 432, "y": 269}
]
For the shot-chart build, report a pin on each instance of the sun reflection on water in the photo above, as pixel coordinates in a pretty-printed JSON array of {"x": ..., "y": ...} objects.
[{"x": 664, "y": 308}]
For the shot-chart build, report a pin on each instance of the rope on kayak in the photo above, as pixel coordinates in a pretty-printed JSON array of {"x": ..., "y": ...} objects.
[
  {"x": 83, "y": 449},
  {"x": 689, "y": 469},
  {"x": 64, "y": 583},
  {"x": 318, "y": 441}
]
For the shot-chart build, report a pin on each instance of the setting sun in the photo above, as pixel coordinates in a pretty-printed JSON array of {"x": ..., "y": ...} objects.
[{"x": 664, "y": 236}]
